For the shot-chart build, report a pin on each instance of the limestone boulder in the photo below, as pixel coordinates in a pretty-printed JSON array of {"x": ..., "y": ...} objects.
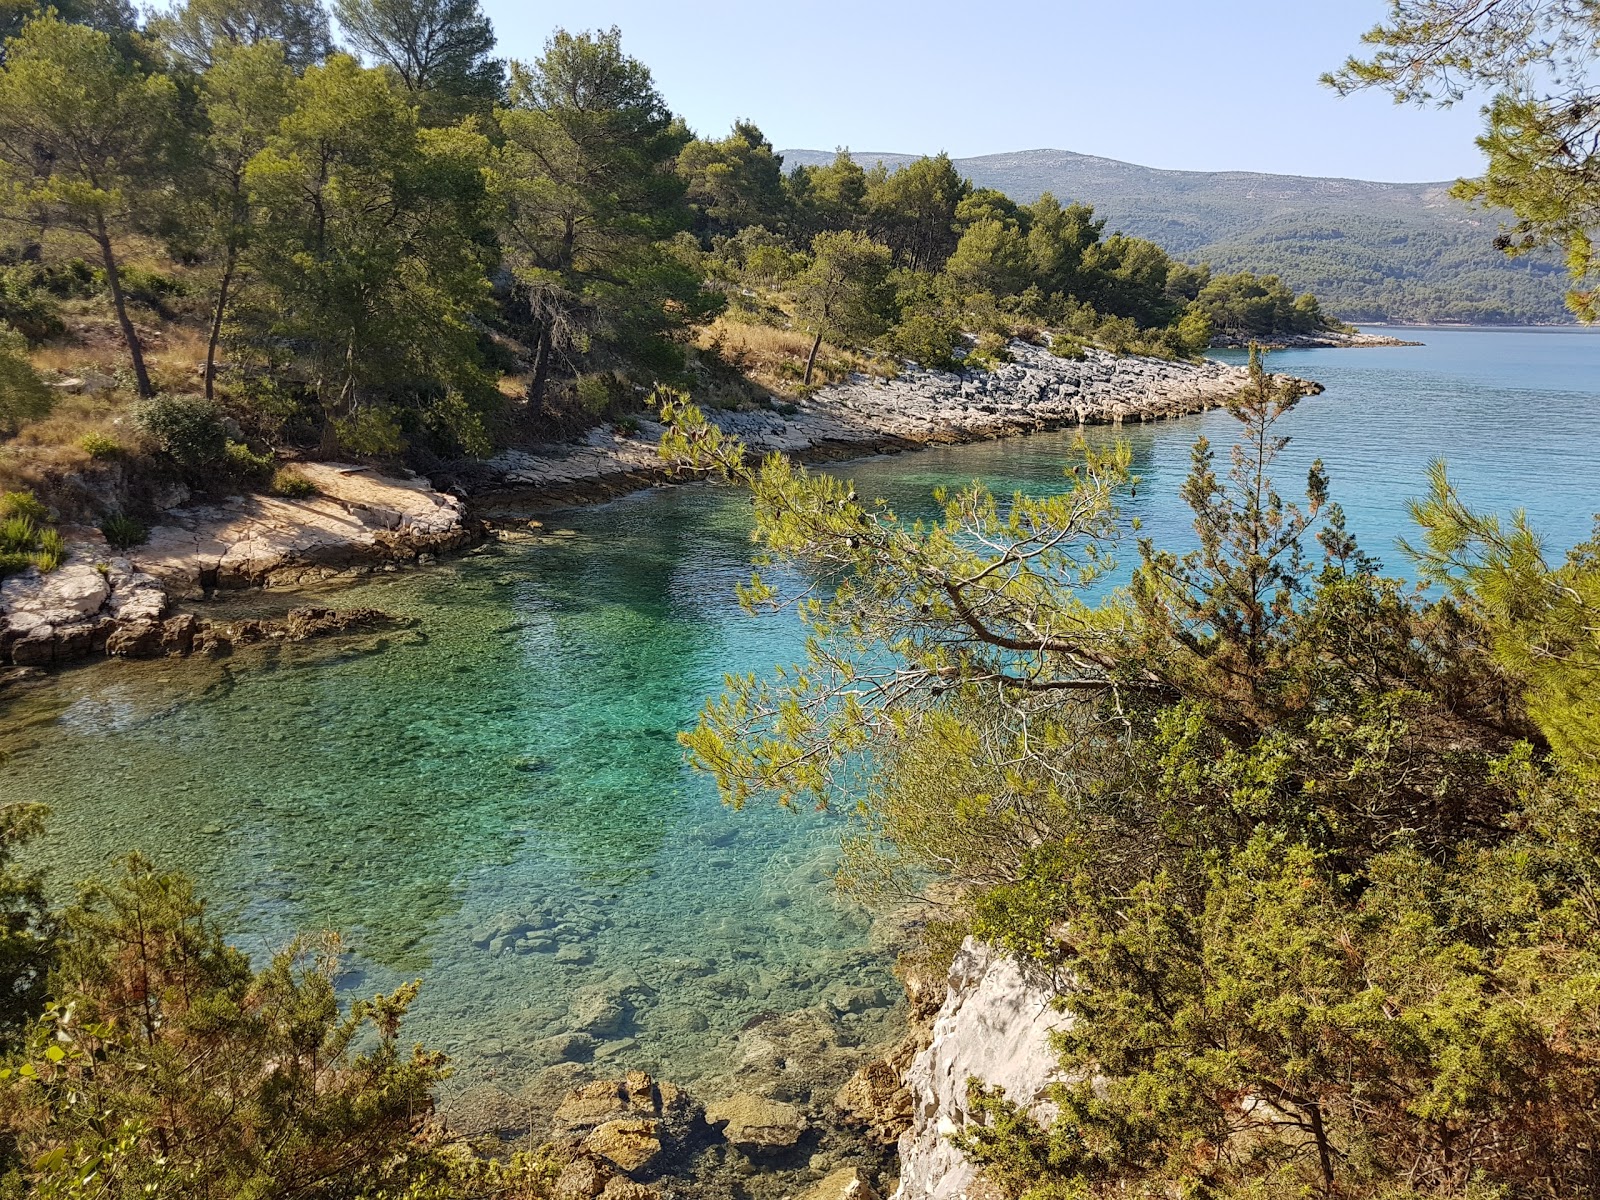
[
  {"x": 628, "y": 1143},
  {"x": 755, "y": 1124},
  {"x": 847, "y": 1183}
]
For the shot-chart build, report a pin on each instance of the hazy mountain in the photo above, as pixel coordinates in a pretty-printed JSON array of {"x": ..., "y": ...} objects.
[{"x": 1371, "y": 251}]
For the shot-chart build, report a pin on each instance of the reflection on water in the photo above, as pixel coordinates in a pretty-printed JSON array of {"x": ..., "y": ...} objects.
[{"x": 493, "y": 800}]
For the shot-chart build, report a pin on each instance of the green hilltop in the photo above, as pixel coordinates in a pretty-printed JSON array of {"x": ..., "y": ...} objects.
[{"x": 1401, "y": 252}]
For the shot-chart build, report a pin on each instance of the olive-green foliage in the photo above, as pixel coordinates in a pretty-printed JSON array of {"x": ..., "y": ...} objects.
[
  {"x": 291, "y": 484},
  {"x": 26, "y": 539},
  {"x": 23, "y": 395},
  {"x": 734, "y": 183},
  {"x": 928, "y": 340},
  {"x": 123, "y": 532},
  {"x": 26, "y": 928},
  {"x": 70, "y": 96},
  {"x": 590, "y": 201},
  {"x": 167, "y": 1065},
  {"x": 369, "y": 257},
  {"x": 1246, "y": 306},
  {"x": 187, "y": 428},
  {"x": 440, "y": 50},
  {"x": 244, "y": 464},
  {"x": 26, "y": 305},
  {"x": 201, "y": 32},
  {"x": 1537, "y": 58},
  {"x": 1311, "y": 850},
  {"x": 100, "y": 447},
  {"x": 844, "y": 293}
]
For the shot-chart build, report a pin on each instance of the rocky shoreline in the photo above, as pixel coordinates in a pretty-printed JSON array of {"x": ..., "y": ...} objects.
[
  {"x": 1328, "y": 339},
  {"x": 1036, "y": 392},
  {"x": 105, "y": 601}
]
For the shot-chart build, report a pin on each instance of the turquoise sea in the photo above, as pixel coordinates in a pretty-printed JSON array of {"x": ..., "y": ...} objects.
[{"x": 494, "y": 802}]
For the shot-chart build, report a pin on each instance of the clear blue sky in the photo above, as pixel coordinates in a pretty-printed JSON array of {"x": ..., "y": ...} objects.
[{"x": 1230, "y": 84}]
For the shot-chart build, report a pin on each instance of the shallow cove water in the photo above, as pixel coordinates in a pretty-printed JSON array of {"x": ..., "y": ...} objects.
[{"x": 494, "y": 802}]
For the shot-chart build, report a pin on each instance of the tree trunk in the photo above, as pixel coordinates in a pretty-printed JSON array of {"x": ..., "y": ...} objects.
[
  {"x": 216, "y": 326},
  {"x": 120, "y": 302},
  {"x": 541, "y": 374},
  {"x": 811, "y": 359}
]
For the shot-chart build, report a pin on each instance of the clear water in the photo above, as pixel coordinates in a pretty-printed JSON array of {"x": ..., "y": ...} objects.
[{"x": 513, "y": 755}]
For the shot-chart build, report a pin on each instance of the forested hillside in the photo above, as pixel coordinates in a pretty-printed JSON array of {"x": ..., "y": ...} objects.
[{"x": 1404, "y": 252}]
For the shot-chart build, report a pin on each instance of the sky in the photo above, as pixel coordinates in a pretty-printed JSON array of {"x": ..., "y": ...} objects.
[{"x": 1199, "y": 85}]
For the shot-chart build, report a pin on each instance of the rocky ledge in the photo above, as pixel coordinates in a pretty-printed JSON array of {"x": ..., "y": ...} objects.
[
  {"x": 1328, "y": 339},
  {"x": 357, "y": 518},
  {"x": 1036, "y": 391},
  {"x": 104, "y": 601},
  {"x": 61, "y": 622}
]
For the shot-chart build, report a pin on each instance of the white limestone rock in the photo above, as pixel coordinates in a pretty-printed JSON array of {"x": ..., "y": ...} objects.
[{"x": 995, "y": 1024}]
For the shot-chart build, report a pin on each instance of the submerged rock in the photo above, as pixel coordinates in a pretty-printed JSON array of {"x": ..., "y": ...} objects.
[
  {"x": 847, "y": 1183},
  {"x": 755, "y": 1124}
]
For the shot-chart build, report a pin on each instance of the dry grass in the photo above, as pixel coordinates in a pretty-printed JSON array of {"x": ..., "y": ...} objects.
[{"x": 775, "y": 359}]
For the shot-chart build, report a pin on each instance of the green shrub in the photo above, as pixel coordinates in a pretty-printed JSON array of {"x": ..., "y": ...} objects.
[
  {"x": 52, "y": 550},
  {"x": 928, "y": 340},
  {"x": 24, "y": 541},
  {"x": 27, "y": 307},
  {"x": 627, "y": 426},
  {"x": 992, "y": 350},
  {"x": 99, "y": 446},
  {"x": 23, "y": 395},
  {"x": 292, "y": 485},
  {"x": 1065, "y": 346},
  {"x": 149, "y": 287},
  {"x": 123, "y": 531},
  {"x": 596, "y": 392},
  {"x": 244, "y": 463},
  {"x": 23, "y": 504},
  {"x": 18, "y": 534},
  {"x": 71, "y": 280},
  {"x": 188, "y": 428}
]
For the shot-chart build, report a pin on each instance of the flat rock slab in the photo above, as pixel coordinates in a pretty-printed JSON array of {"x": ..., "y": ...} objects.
[
  {"x": 356, "y": 516},
  {"x": 754, "y": 1123}
]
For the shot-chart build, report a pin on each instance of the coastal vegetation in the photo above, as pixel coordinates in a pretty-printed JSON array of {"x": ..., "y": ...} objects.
[
  {"x": 229, "y": 242},
  {"x": 1307, "y": 849},
  {"x": 1400, "y": 253}
]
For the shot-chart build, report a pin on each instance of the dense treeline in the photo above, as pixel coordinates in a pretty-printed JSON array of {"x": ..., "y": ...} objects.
[{"x": 414, "y": 245}]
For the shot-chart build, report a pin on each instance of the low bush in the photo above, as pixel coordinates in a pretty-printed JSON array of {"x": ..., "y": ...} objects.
[
  {"x": 187, "y": 428},
  {"x": 290, "y": 484},
  {"x": 23, "y": 504},
  {"x": 99, "y": 446},
  {"x": 927, "y": 340},
  {"x": 23, "y": 395},
  {"x": 992, "y": 350},
  {"x": 25, "y": 539},
  {"x": 149, "y": 287},
  {"x": 27, "y": 307},
  {"x": 245, "y": 464},
  {"x": 1070, "y": 348},
  {"x": 122, "y": 532}
]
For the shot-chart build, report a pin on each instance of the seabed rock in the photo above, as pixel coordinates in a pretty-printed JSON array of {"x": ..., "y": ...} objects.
[{"x": 757, "y": 1125}]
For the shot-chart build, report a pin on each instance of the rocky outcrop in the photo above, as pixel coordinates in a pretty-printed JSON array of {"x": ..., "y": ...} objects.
[
  {"x": 101, "y": 600},
  {"x": 357, "y": 518},
  {"x": 1325, "y": 339},
  {"x": 74, "y": 611},
  {"x": 82, "y": 609},
  {"x": 995, "y": 1025},
  {"x": 1036, "y": 391}
]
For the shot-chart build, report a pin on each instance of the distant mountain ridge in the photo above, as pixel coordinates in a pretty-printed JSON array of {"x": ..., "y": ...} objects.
[{"x": 1401, "y": 252}]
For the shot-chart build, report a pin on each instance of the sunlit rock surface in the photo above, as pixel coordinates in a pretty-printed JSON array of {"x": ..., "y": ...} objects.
[{"x": 995, "y": 1024}]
